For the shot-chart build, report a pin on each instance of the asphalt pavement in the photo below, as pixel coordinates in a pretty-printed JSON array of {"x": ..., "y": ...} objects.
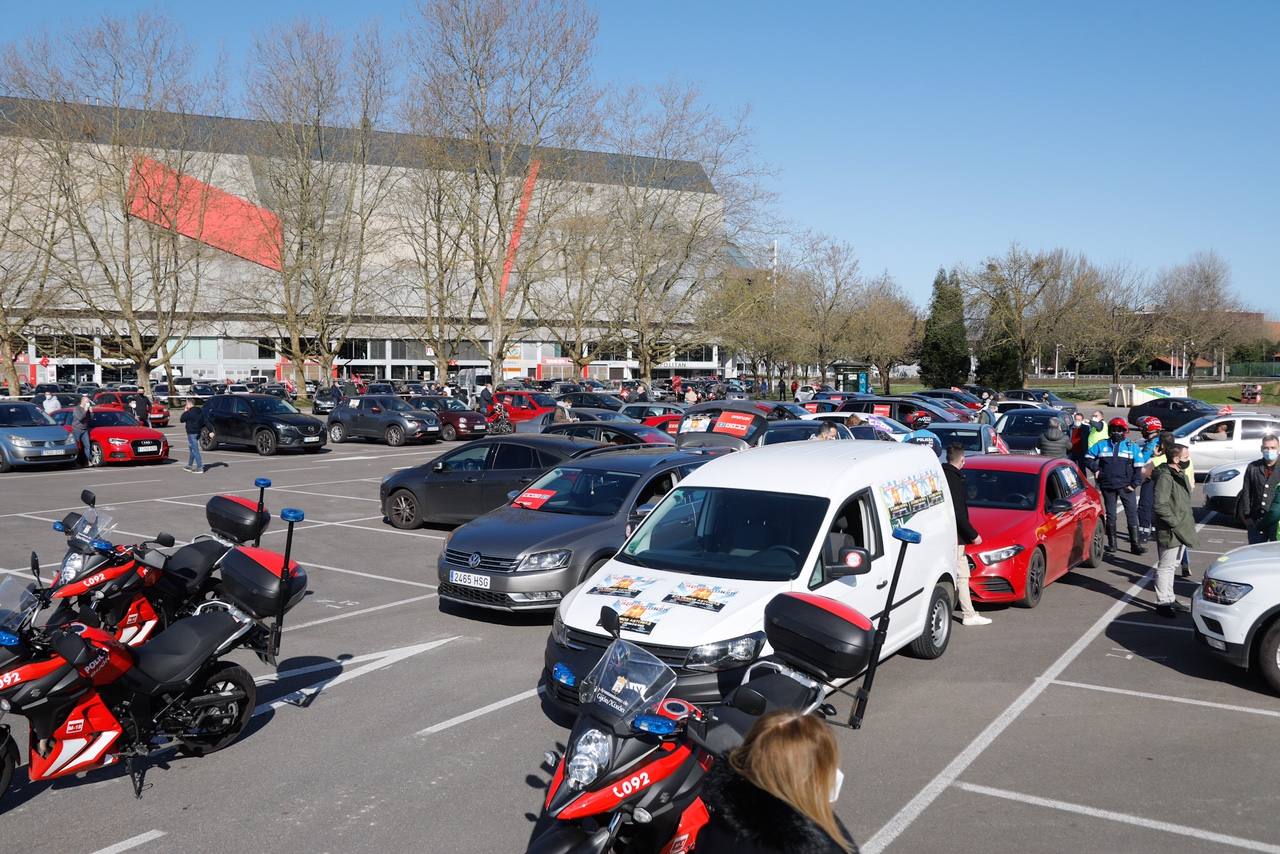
[{"x": 394, "y": 725}]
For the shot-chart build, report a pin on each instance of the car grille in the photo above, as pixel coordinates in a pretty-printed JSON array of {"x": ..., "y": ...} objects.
[
  {"x": 673, "y": 656},
  {"x": 310, "y": 429},
  {"x": 993, "y": 584},
  {"x": 493, "y": 564},
  {"x": 471, "y": 594},
  {"x": 135, "y": 446}
]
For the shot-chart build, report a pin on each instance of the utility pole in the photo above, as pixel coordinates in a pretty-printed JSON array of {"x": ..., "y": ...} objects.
[{"x": 1056, "y": 348}]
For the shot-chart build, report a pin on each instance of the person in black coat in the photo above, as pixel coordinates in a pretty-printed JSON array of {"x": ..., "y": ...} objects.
[
  {"x": 966, "y": 534},
  {"x": 795, "y": 759}
]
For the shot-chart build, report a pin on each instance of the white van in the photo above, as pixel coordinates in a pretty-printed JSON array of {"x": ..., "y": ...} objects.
[{"x": 692, "y": 581}]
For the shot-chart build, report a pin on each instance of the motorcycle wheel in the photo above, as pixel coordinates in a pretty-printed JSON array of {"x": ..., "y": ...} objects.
[
  {"x": 234, "y": 715},
  {"x": 8, "y": 763}
]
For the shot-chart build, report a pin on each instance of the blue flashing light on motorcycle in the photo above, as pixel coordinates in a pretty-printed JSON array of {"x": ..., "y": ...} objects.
[
  {"x": 262, "y": 482},
  {"x": 102, "y": 545},
  {"x": 562, "y": 674},
  {"x": 654, "y": 725},
  {"x": 8, "y": 639},
  {"x": 59, "y": 527},
  {"x": 907, "y": 535},
  {"x": 292, "y": 514}
]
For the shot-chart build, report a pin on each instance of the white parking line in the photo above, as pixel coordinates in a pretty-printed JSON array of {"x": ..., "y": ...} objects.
[
  {"x": 1229, "y": 707},
  {"x": 351, "y": 614},
  {"x": 131, "y": 842},
  {"x": 483, "y": 710},
  {"x": 1123, "y": 818}
]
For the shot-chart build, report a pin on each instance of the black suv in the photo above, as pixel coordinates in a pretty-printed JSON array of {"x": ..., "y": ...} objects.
[
  {"x": 259, "y": 421},
  {"x": 382, "y": 416}
]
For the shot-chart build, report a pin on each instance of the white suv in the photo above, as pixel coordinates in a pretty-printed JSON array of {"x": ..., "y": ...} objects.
[
  {"x": 1234, "y": 437},
  {"x": 1237, "y": 610}
]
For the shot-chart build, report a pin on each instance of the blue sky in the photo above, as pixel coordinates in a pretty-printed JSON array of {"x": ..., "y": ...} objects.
[{"x": 931, "y": 134}]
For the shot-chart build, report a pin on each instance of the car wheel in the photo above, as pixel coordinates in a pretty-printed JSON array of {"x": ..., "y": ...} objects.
[
  {"x": 933, "y": 641},
  {"x": 1269, "y": 656},
  {"x": 265, "y": 442},
  {"x": 1096, "y": 552},
  {"x": 5, "y": 465},
  {"x": 1034, "y": 585},
  {"x": 337, "y": 433},
  {"x": 207, "y": 442},
  {"x": 95, "y": 454},
  {"x": 402, "y": 509},
  {"x": 447, "y": 433},
  {"x": 394, "y": 435}
]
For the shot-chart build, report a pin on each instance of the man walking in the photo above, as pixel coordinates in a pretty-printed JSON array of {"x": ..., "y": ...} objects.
[
  {"x": 1175, "y": 526},
  {"x": 966, "y": 534},
  {"x": 1117, "y": 466},
  {"x": 1260, "y": 480},
  {"x": 80, "y": 427},
  {"x": 486, "y": 399},
  {"x": 193, "y": 420}
]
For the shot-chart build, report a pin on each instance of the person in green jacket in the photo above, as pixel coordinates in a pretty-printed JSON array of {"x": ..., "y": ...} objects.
[{"x": 1175, "y": 526}]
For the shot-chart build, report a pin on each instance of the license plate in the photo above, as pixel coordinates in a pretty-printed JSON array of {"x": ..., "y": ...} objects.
[
  {"x": 53, "y": 453},
  {"x": 151, "y": 447},
  {"x": 433, "y": 429},
  {"x": 311, "y": 438},
  {"x": 480, "y": 427},
  {"x": 468, "y": 579}
]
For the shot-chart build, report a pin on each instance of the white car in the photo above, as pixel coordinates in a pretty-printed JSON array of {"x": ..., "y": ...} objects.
[
  {"x": 882, "y": 423},
  {"x": 692, "y": 581},
  {"x": 1222, "y": 487},
  {"x": 1227, "y": 438},
  {"x": 806, "y": 392},
  {"x": 1237, "y": 610}
]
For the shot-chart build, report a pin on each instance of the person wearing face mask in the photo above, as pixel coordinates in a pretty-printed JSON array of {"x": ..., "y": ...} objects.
[
  {"x": 1097, "y": 430},
  {"x": 1079, "y": 440},
  {"x": 1175, "y": 526},
  {"x": 1153, "y": 457},
  {"x": 1117, "y": 466},
  {"x": 1258, "y": 492}
]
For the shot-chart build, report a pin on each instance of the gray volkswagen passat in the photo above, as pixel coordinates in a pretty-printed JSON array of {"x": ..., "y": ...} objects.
[{"x": 530, "y": 552}]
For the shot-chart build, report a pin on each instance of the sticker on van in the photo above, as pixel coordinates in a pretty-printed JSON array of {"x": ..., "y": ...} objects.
[
  {"x": 627, "y": 586},
  {"x": 639, "y": 617},
  {"x": 907, "y": 496},
  {"x": 706, "y": 597}
]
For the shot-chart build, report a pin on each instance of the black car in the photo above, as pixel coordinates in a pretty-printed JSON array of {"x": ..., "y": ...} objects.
[
  {"x": 1021, "y": 428},
  {"x": 592, "y": 400},
  {"x": 472, "y": 480},
  {"x": 612, "y": 432},
  {"x": 382, "y": 416},
  {"x": 586, "y": 413},
  {"x": 900, "y": 409},
  {"x": 380, "y": 388},
  {"x": 1173, "y": 412},
  {"x": 258, "y": 421},
  {"x": 276, "y": 390},
  {"x": 528, "y": 553}
]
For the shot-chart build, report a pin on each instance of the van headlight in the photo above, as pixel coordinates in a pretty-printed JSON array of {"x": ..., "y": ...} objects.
[
  {"x": 590, "y": 756},
  {"x": 998, "y": 555},
  {"x": 722, "y": 655},
  {"x": 545, "y": 560},
  {"x": 1224, "y": 476},
  {"x": 559, "y": 634},
  {"x": 1224, "y": 592}
]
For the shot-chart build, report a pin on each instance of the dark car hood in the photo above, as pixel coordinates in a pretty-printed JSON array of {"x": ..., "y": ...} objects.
[
  {"x": 294, "y": 419},
  {"x": 511, "y": 531}
]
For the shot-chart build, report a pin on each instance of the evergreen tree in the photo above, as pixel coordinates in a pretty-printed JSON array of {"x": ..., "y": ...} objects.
[
  {"x": 944, "y": 351},
  {"x": 999, "y": 366}
]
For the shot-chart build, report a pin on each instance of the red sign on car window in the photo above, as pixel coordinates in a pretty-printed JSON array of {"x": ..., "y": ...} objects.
[
  {"x": 812, "y": 407},
  {"x": 880, "y": 409},
  {"x": 734, "y": 423},
  {"x": 533, "y": 498}
]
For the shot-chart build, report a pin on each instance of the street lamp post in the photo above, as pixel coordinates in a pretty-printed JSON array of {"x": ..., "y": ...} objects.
[{"x": 1056, "y": 348}]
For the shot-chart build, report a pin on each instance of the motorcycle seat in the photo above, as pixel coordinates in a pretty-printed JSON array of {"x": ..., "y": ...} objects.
[
  {"x": 779, "y": 692},
  {"x": 179, "y": 651},
  {"x": 193, "y": 563}
]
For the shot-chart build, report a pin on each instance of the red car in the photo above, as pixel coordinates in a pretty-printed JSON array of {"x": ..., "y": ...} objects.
[
  {"x": 525, "y": 405},
  {"x": 117, "y": 437},
  {"x": 119, "y": 401},
  {"x": 1038, "y": 519}
]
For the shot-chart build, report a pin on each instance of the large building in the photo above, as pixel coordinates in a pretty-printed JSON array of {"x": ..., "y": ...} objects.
[{"x": 232, "y": 250}]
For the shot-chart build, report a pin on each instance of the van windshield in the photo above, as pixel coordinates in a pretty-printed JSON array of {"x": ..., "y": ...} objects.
[{"x": 728, "y": 533}]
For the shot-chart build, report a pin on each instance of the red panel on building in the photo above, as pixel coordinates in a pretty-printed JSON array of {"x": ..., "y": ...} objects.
[{"x": 202, "y": 212}]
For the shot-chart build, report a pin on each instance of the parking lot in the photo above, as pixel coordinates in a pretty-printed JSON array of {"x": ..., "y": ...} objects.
[{"x": 395, "y": 725}]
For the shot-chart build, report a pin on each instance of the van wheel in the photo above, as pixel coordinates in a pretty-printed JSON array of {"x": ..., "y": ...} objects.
[
  {"x": 1269, "y": 656},
  {"x": 933, "y": 641},
  {"x": 1033, "y": 588},
  {"x": 1096, "y": 553}
]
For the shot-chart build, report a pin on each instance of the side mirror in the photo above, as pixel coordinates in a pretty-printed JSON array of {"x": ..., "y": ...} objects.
[
  {"x": 609, "y": 621},
  {"x": 1059, "y": 505},
  {"x": 164, "y": 540},
  {"x": 35, "y": 568},
  {"x": 88, "y": 498},
  {"x": 439, "y": 466},
  {"x": 850, "y": 562}
]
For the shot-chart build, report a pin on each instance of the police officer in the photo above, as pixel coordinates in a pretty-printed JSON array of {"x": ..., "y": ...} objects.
[
  {"x": 1152, "y": 458},
  {"x": 1258, "y": 491},
  {"x": 1117, "y": 466}
]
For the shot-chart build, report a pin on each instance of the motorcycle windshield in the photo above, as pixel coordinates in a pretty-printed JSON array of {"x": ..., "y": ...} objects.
[
  {"x": 93, "y": 525},
  {"x": 16, "y": 600},
  {"x": 627, "y": 681}
]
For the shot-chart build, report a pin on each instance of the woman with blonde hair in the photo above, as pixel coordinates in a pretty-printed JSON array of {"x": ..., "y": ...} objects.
[{"x": 774, "y": 793}]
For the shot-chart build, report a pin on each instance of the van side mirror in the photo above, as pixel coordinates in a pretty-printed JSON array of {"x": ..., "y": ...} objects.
[
  {"x": 88, "y": 498},
  {"x": 609, "y": 621},
  {"x": 849, "y": 562},
  {"x": 1059, "y": 505}
]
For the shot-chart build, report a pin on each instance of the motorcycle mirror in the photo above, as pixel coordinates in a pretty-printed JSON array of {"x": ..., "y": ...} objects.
[
  {"x": 609, "y": 621},
  {"x": 88, "y": 498},
  {"x": 749, "y": 700},
  {"x": 164, "y": 540},
  {"x": 35, "y": 567}
]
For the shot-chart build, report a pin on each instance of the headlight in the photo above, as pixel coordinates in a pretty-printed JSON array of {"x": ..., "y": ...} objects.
[
  {"x": 725, "y": 654},
  {"x": 118, "y": 442},
  {"x": 545, "y": 560},
  {"x": 590, "y": 756},
  {"x": 1224, "y": 476},
  {"x": 1224, "y": 592},
  {"x": 998, "y": 555},
  {"x": 286, "y": 428},
  {"x": 72, "y": 564},
  {"x": 21, "y": 442},
  {"x": 559, "y": 634},
  {"x": 409, "y": 422}
]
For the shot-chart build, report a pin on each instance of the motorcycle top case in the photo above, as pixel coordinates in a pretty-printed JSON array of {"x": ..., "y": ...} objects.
[
  {"x": 234, "y": 518},
  {"x": 251, "y": 580},
  {"x": 816, "y": 634}
]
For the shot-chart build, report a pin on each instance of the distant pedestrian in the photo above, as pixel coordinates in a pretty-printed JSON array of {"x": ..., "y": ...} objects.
[
  {"x": 486, "y": 398},
  {"x": 80, "y": 427},
  {"x": 690, "y": 396},
  {"x": 1175, "y": 526},
  {"x": 1258, "y": 492},
  {"x": 1053, "y": 442},
  {"x": 795, "y": 386},
  {"x": 966, "y": 534},
  {"x": 51, "y": 404},
  {"x": 1097, "y": 430},
  {"x": 1117, "y": 466},
  {"x": 193, "y": 421}
]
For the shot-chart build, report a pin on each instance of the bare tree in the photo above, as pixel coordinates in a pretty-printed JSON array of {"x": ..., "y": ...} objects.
[
  {"x": 884, "y": 328},
  {"x": 830, "y": 286},
  {"x": 1197, "y": 309},
  {"x": 749, "y": 312},
  {"x": 130, "y": 173},
  {"x": 324, "y": 181}
]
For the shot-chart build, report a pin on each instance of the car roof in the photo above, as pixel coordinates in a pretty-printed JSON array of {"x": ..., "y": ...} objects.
[
  {"x": 1010, "y": 462},
  {"x": 1034, "y": 414},
  {"x": 541, "y": 440},
  {"x": 832, "y": 470},
  {"x": 958, "y": 427},
  {"x": 639, "y": 458}
]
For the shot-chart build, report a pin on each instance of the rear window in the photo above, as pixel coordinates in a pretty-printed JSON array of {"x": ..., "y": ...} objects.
[
  {"x": 970, "y": 440},
  {"x": 1000, "y": 490},
  {"x": 1020, "y": 424}
]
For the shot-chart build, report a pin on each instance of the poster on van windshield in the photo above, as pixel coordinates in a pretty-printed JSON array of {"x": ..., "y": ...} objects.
[{"x": 907, "y": 496}]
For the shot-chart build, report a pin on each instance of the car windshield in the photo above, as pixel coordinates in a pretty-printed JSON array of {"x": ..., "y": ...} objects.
[
  {"x": 728, "y": 533},
  {"x": 790, "y": 431},
  {"x": 970, "y": 440},
  {"x": 395, "y": 404},
  {"x": 543, "y": 400},
  {"x": 1000, "y": 490},
  {"x": 16, "y": 600},
  {"x": 272, "y": 406},
  {"x": 627, "y": 680},
  {"x": 1191, "y": 427},
  {"x": 451, "y": 404},
  {"x": 1201, "y": 406},
  {"x": 23, "y": 415},
  {"x": 112, "y": 419},
  {"x": 577, "y": 492},
  {"x": 1019, "y": 424}
]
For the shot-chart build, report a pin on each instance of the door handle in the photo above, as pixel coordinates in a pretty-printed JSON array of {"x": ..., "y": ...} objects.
[
  {"x": 470, "y": 479},
  {"x": 882, "y": 585},
  {"x": 525, "y": 480}
]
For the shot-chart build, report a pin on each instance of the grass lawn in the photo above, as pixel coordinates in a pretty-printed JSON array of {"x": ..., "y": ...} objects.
[{"x": 1230, "y": 394}]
